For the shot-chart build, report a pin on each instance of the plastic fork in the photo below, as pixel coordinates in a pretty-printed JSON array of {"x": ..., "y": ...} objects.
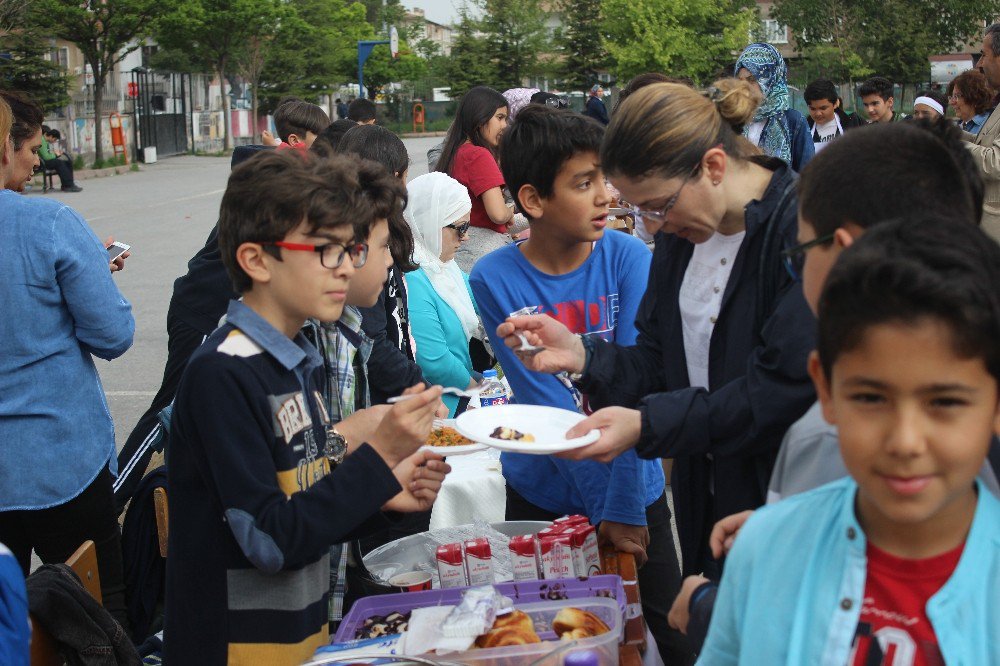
[
  {"x": 526, "y": 348},
  {"x": 447, "y": 389}
]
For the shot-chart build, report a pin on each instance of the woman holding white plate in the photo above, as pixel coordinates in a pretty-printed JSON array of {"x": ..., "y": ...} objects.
[{"x": 718, "y": 371}]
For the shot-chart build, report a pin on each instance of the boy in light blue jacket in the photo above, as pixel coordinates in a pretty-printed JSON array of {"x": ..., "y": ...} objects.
[{"x": 900, "y": 563}]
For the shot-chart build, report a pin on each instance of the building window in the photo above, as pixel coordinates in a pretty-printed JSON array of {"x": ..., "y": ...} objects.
[{"x": 774, "y": 32}]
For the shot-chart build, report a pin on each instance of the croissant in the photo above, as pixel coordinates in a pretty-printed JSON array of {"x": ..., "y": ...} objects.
[
  {"x": 514, "y": 628},
  {"x": 572, "y": 623}
]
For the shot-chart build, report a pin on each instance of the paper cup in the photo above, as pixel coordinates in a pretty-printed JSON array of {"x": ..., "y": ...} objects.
[{"x": 413, "y": 581}]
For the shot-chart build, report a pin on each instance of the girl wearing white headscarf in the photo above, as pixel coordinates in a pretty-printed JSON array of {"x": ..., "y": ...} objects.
[{"x": 443, "y": 314}]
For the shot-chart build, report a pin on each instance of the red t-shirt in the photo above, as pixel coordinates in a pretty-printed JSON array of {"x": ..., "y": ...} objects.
[
  {"x": 475, "y": 168},
  {"x": 894, "y": 629}
]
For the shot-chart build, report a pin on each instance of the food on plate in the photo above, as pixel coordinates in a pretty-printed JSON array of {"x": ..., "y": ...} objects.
[
  {"x": 573, "y": 623},
  {"x": 515, "y": 628},
  {"x": 511, "y": 435},
  {"x": 383, "y": 625},
  {"x": 447, "y": 437}
]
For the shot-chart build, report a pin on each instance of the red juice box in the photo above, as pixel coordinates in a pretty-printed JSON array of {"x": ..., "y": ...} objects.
[
  {"x": 479, "y": 561},
  {"x": 556, "y": 555},
  {"x": 571, "y": 521},
  {"x": 524, "y": 557},
  {"x": 586, "y": 556},
  {"x": 451, "y": 566}
]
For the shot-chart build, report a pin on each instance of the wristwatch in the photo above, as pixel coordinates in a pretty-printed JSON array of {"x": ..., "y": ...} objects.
[
  {"x": 336, "y": 447},
  {"x": 588, "y": 353}
]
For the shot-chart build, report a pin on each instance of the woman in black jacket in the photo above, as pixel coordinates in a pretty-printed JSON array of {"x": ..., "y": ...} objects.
[{"x": 718, "y": 372}]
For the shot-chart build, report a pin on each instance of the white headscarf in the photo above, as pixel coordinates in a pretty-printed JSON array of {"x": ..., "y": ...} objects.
[{"x": 435, "y": 201}]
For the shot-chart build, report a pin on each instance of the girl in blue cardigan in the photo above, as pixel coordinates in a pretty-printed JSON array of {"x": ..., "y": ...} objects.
[{"x": 443, "y": 314}]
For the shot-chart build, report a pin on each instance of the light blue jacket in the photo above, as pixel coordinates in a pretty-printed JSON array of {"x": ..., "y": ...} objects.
[
  {"x": 795, "y": 580},
  {"x": 442, "y": 348},
  {"x": 60, "y": 308}
]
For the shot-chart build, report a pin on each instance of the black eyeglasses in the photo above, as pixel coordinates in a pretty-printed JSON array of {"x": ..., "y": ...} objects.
[
  {"x": 462, "y": 229},
  {"x": 794, "y": 257},
  {"x": 331, "y": 255}
]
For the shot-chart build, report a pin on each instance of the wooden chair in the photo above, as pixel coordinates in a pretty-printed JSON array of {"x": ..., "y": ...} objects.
[
  {"x": 162, "y": 512},
  {"x": 83, "y": 562}
]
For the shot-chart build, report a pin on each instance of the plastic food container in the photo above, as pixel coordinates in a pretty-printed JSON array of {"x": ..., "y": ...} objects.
[
  {"x": 568, "y": 591},
  {"x": 542, "y": 613}
]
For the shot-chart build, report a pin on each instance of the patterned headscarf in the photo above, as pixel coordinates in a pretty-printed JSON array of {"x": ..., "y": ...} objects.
[
  {"x": 517, "y": 99},
  {"x": 768, "y": 67}
]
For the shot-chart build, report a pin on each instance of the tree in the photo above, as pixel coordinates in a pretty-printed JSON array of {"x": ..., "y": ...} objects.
[
  {"x": 104, "y": 31},
  {"x": 24, "y": 67},
  {"x": 215, "y": 33},
  {"x": 381, "y": 68},
  {"x": 468, "y": 67},
  {"x": 11, "y": 14},
  {"x": 515, "y": 38},
  {"x": 581, "y": 43},
  {"x": 314, "y": 50},
  {"x": 692, "y": 38},
  {"x": 891, "y": 37}
]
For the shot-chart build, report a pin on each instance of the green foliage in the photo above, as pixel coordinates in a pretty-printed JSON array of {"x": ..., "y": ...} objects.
[
  {"x": 215, "y": 34},
  {"x": 314, "y": 48},
  {"x": 692, "y": 38},
  {"x": 857, "y": 38},
  {"x": 468, "y": 67},
  {"x": 581, "y": 43},
  {"x": 27, "y": 70},
  {"x": 515, "y": 37},
  {"x": 381, "y": 68},
  {"x": 105, "y": 32},
  {"x": 78, "y": 163}
]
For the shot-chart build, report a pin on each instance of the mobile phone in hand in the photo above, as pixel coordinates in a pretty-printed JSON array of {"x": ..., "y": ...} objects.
[{"x": 116, "y": 250}]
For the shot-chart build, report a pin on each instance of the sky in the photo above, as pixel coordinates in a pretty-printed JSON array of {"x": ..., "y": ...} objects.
[{"x": 439, "y": 11}]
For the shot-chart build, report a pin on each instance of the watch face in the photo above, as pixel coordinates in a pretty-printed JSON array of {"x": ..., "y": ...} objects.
[{"x": 336, "y": 446}]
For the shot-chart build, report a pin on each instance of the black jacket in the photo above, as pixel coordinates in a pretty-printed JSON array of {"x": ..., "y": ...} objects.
[
  {"x": 391, "y": 367},
  {"x": 201, "y": 295},
  {"x": 86, "y": 634},
  {"x": 757, "y": 372},
  {"x": 145, "y": 569}
]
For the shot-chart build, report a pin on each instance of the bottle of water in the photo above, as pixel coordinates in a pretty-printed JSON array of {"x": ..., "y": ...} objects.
[{"x": 493, "y": 392}]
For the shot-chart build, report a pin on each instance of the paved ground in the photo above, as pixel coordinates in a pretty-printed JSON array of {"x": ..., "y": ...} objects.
[{"x": 165, "y": 212}]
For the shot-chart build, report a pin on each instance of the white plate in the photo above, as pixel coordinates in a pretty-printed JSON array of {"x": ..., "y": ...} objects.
[
  {"x": 453, "y": 450},
  {"x": 547, "y": 424}
]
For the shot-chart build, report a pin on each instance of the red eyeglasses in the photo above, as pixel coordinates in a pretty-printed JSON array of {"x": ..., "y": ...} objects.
[{"x": 331, "y": 255}]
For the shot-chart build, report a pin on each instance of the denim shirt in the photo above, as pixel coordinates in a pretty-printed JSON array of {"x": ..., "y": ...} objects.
[
  {"x": 974, "y": 124},
  {"x": 794, "y": 585},
  {"x": 60, "y": 309},
  {"x": 296, "y": 354}
]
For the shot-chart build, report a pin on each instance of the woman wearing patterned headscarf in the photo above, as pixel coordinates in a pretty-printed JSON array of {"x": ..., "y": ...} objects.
[{"x": 777, "y": 129}]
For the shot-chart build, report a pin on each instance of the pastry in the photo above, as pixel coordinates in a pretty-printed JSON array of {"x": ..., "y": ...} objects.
[
  {"x": 515, "y": 628},
  {"x": 572, "y": 623}
]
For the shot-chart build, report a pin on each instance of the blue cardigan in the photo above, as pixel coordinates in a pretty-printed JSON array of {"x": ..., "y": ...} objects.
[
  {"x": 442, "y": 348},
  {"x": 795, "y": 580}
]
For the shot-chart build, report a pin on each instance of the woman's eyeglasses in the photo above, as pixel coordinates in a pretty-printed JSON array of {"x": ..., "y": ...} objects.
[
  {"x": 661, "y": 214},
  {"x": 331, "y": 255},
  {"x": 462, "y": 229},
  {"x": 794, "y": 257}
]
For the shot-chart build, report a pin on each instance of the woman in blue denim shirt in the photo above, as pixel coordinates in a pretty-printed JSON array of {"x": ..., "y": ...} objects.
[{"x": 61, "y": 308}]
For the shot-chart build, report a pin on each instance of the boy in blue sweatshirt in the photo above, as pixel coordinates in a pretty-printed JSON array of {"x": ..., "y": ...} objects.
[
  {"x": 593, "y": 282},
  {"x": 898, "y": 562},
  {"x": 260, "y": 487}
]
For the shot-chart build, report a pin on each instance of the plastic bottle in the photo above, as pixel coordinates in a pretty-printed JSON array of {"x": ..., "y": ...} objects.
[{"x": 493, "y": 392}]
